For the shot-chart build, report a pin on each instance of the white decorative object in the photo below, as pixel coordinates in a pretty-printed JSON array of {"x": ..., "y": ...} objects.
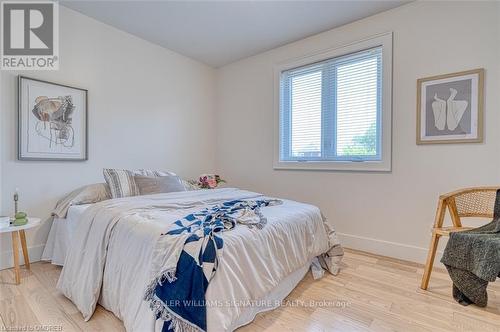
[
  {"x": 4, "y": 221},
  {"x": 450, "y": 108},
  {"x": 439, "y": 109},
  {"x": 456, "y": 109}
]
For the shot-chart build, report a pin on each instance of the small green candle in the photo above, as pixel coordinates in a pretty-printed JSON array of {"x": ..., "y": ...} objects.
[{"x": 16, "y": 198}]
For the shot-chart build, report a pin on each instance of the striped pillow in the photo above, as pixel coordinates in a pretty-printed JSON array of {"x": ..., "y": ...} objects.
[{"x": 121, "y": 182}]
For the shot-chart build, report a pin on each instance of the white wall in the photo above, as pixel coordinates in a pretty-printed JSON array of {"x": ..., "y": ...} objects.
[
  {"x": 387, "y": 213},
  {"x": 148, "y": 108}
]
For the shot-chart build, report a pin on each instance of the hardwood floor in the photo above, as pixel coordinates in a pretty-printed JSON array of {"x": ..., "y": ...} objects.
[{"x": 372, "y": 293}]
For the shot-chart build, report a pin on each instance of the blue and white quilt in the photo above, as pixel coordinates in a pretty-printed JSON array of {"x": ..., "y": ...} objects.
[{"x": 177, "y": 295}]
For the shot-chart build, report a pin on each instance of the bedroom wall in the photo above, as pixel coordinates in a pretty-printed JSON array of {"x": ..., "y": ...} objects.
[
  {"x": 386, "y": 213},
  {"x": 148, "y": 108}
]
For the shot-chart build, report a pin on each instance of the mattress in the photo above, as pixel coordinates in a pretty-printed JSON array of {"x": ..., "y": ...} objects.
[{"x": 60, "y": 235}]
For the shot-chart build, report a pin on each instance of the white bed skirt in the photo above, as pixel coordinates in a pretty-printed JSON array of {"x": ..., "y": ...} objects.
[
  {"x": 60, "y": 235},
  {"x": 274, "y": 297},
  {"x": 56, "y": 246}
]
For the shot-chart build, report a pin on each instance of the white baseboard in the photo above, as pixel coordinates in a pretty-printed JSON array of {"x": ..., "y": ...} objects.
[
  {"x": 7, "y": 260},
  {"x": 387, "y": 248},
  {"x": 375, "y": 246}
]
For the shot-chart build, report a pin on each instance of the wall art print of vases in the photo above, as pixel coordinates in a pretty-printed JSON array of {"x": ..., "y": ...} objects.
[{"x": 450, "y": 108}]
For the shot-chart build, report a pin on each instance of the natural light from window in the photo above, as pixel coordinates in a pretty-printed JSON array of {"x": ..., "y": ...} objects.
[
  {"x": 306, "y": 115},
  {"x": 357, "y": 108},
  {"x": 331, "y": 108},
  {"x": 335, "y": 108}
]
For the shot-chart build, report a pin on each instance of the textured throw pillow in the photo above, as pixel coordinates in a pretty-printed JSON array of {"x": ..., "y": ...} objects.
[
  {"x": 152, "y": 172},
  {"x": 121, "y": 182},
  {"x": 92, "y": 193},
  {"x": 189, "y": 186},
  {"x": 149, "y": 185}
]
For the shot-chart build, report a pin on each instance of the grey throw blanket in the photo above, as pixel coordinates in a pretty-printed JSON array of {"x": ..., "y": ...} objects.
[{"x": 472, "y": 259}]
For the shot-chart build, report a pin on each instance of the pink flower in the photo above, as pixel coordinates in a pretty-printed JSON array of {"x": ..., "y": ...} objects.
[{"x": 209, "y": 181}]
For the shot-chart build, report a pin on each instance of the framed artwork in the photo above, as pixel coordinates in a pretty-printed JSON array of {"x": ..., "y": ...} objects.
[
  {"x": 52, "y": 121},
  {"x": 450, "y": 108}
]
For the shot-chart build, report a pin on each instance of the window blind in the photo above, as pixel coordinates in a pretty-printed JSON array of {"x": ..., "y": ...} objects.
[{"x": 331, "y": 110}]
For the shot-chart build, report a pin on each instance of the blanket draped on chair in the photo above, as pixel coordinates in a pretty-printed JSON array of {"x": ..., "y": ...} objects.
[
  {"x": 177, "y": 295},
  {"x": 472, "y": 259}
]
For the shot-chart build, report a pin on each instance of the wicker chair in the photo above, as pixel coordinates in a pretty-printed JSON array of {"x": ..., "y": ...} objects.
[{"x": 470, "y": 202}]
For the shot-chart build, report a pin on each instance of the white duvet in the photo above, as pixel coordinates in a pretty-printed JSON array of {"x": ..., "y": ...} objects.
[{"x": 110, "y": 259}]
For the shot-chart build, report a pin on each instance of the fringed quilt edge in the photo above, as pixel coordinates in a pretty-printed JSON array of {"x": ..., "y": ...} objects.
[{"x": 162, "y": 311}]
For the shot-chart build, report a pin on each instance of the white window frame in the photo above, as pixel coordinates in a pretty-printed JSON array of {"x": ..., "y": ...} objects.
[{"x": 382, "y": 165}]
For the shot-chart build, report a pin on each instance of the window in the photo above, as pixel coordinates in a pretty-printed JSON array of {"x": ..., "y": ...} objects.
[{"x": 334, "y": 109}]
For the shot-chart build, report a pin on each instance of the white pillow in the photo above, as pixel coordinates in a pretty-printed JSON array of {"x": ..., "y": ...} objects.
[
  {"x": 149, "y": 185},
  {"x": 89, "y": 194},
  {"x": 149, "y": 172},
  {"x": 152, "y": 172}
]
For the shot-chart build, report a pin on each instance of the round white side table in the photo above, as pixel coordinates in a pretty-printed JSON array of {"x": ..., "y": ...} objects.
[{"x": 18, "y": 232}]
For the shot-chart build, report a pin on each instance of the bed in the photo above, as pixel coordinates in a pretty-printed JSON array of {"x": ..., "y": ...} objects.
[{"x": 113, "y": 242}]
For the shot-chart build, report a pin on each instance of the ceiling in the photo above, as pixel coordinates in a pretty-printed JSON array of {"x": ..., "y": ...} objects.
[{"x": 220, "y": 32}]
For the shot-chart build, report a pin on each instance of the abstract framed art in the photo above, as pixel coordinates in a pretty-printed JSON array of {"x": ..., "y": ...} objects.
[
  {"x": 52, "y": 121},
  {"x": 450, "y": 108}
]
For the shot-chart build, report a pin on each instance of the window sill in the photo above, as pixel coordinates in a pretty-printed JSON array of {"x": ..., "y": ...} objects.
[{"x": 347, "y": 166}]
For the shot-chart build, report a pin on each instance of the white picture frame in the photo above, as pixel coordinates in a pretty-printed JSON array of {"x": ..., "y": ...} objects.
[
  {"x": 52, "y": 121},
  {"x": 450, "y": 108}
]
